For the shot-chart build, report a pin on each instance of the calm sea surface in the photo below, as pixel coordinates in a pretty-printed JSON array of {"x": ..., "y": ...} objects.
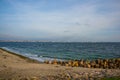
[{"x": 63, "y": 51}]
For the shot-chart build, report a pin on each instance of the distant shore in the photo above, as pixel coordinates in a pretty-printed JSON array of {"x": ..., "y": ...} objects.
[{"x": 18, "y": 67}]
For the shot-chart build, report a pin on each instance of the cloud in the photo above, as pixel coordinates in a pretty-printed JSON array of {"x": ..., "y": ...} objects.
[{"x": 77, "y": 22}]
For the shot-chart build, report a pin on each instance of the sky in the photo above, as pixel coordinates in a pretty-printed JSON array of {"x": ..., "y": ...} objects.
[{"x": 60, "y": 20}]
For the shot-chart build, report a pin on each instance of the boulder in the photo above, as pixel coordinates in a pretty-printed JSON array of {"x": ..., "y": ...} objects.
[
  {"x": 46, "y": 61},
  {"x": 70, "y": 63},
  {"x": 75, "y": 64},
  {"x": 80, "y": 63},
  {"x": 54, "y": 62}
]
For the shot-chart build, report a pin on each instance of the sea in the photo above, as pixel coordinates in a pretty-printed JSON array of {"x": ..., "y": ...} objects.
[{"x": 42, "y": 51}]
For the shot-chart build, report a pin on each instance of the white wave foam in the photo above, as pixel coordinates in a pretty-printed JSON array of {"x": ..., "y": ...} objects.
[{"x": 30, "y": 55}]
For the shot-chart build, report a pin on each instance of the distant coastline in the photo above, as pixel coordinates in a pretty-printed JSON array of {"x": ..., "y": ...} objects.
[{"x": 57, "y": 41}]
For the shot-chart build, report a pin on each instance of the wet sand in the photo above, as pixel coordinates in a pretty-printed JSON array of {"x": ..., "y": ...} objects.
[{"x": 17, "y": 67}]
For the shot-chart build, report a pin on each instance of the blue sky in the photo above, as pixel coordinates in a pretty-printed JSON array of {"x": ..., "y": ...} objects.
[{"x": 60, "y": 20}]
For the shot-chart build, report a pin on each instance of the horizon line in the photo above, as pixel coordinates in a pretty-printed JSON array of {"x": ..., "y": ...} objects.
[{"x": 58, "y": 41}]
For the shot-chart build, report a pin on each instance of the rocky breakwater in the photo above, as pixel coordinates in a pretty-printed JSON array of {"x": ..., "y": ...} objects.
[{"x": 99, "y": 63}]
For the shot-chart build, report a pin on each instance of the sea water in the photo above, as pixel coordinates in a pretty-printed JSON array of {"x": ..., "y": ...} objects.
[{"x": 64, "y": 50}]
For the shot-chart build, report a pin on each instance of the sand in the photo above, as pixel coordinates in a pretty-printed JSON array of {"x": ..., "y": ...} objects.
[{"x": 16, "y": 67}]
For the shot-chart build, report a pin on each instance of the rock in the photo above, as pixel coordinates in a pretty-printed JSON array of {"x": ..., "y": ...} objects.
[
  {"x": 84, "y": 65},
  {"x": 106, "y": 60},
  {"x": 66, "y": 64},
  {"x": 75, "y": 64},
  {"x": 113, "y": 61},
  {"x": 104, "y": 66},
  {"x": 54, "y": 62},
  {"x": 62, "y": 63},
  {"x": 97, "y": 61},
  {"x": 88, "y": 66},
  {"x": 92, "y": 63},
  {"x": 81, "y": 63},
  {"x": 97, "y": 66},
  {"x": 105, "y": 63},
  {"x": 111, "y": 65},
  {"x": 86, "y": 62},
  {"x": 70, "y": 63},
  {"x": 46, "y": 61},
  {"x": 50, "y": 62}
]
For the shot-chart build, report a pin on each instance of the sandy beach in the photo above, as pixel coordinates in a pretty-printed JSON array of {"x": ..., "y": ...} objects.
[{"x": 16, "y": 67}]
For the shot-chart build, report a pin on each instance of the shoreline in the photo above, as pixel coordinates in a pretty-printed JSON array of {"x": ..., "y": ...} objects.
[
  {"x": 15, "y": 66},
  {"x": 74, "y": 63},
  {"x": 112, "y": 63},
  {"x": 31, "y": 58},
  {"x": 22, "y": 56}
]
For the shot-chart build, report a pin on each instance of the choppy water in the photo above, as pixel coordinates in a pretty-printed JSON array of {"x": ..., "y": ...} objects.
[{"x": 64, "y": 51}]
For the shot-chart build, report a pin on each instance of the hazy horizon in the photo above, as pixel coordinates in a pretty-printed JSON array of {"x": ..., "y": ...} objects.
[{"x": 60, "y": 20}]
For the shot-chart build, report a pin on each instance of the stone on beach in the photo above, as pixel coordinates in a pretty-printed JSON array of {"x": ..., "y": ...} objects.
[
  {"x": 99, "y": 63},
  {"x": 46, "y": 61},
  {"x": 54, "y": 61},
  {"x": 75, "y": 64}
]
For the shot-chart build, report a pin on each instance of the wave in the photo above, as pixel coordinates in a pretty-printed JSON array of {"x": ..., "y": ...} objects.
[{"x": 32, "y": 56}]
